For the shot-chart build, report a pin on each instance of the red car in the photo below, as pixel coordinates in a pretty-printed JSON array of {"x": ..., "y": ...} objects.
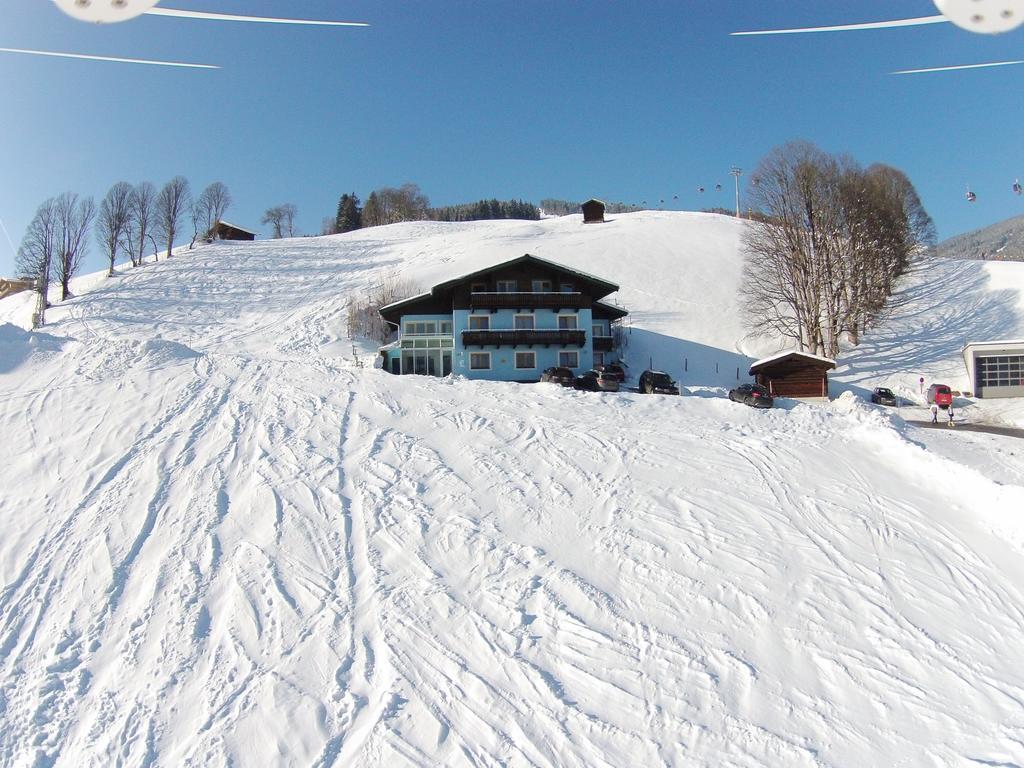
[{"x": 941, "y": 395}]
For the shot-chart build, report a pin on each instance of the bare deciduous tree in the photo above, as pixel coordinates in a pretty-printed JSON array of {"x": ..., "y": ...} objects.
[
  {"x": 171, "y": 204},
  {"x": 74, "y": 217},
  {"x": 282, "y": 219},
  {"x": 218, "y": 201},
  {"x": 364, "y": 313},
  {"x": 824, "y": 259},
  {"x": 112, "y": 222},
  {"x": 208, "y": 210},
  {"x": 389, "y": 205},
  {"x": 36, "y": 254},
  {"x": 141, "y": 222}
]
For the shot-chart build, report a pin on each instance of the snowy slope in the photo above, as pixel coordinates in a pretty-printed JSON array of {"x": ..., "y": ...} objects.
[
  {"x": 941, "y": 306},
  {"x": 225, "y": 543}
]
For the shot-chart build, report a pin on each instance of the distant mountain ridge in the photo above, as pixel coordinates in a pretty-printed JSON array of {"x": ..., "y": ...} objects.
[{"x": 1003, "y": 241}]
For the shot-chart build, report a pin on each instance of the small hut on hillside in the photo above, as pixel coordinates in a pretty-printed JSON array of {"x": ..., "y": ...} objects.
[
  {"x": 11, "y": 287},
  {"x": 227, "y": 231},
  {"x": 593, "y": 211},
  {"x": 794, "y": 374}
]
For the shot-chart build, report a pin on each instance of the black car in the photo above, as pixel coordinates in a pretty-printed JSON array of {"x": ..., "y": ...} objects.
[
  {"x": 752, "y": 394},
  {"x": 657, "y": 382},
  {"x": 596, "y": 381},
  {"x": 557, "y": 375},
  {"x": 614, "y": 370},
  {"x": 883, "y": 396}
]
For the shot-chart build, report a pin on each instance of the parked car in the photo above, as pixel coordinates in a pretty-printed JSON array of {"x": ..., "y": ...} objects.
[
  {"x": 596, "y": 381},
  {"x": 612, "y": 369},
  {"x": 657, "y": 382},
  {"x": 883, "y": 396},
  {"x": 752, "y": 394},
  {"x": 557, "y": 375},
  {"x": 941, "y": 395}
]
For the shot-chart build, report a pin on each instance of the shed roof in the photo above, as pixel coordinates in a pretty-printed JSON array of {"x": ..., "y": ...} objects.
[
  {"x": 778, "y": 357},
  {"x": 235, "y": 226}
]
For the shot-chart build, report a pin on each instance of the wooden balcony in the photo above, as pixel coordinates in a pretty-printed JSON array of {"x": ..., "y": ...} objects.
[
  {"x": 603, "y": 343},
  {"x": 524, "y": 338},
  {"x": 549, "y": 300}
]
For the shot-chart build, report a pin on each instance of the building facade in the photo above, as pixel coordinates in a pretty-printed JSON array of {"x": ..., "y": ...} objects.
[
  {"x": 505, "y": 323},
  {"x": 228, "y": 231},
  {"x": 593, "y": 211},
  {"x": 996, "y": 368},
  {"x": 794, "y": 374}
]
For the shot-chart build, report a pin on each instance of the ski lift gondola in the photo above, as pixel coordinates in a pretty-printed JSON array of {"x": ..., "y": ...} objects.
[
  {"x": 700, "y": 189},
  {"x": 718, "y": 187},
  {"x": 1016, "y": 186},
  {"x": 971, "y": 197}
]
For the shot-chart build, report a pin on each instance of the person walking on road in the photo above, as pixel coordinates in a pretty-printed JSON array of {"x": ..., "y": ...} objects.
[
  {"x": 950, "y": 422},
  {"x": 935, "y": 413}
]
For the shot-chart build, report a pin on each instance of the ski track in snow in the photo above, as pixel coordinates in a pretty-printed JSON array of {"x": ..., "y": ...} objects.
[{"x": 226, "y": 546}]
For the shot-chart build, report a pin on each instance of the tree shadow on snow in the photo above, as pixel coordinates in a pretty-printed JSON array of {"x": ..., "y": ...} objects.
[
  {"x": 688, "y": 362},
  {"x": 927, "y": 324}
]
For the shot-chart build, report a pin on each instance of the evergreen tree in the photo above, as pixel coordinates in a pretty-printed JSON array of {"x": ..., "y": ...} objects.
[{"x": 350, "y": 215}]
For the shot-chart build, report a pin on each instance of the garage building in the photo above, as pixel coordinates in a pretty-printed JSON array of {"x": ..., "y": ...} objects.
[{"x": 996, "y": 368}]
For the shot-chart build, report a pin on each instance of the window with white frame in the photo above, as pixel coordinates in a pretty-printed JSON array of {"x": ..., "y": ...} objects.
[
  {"x": 420, "y": 328},
  {"x": 507, "y": 286},
  {"x": 479, "y": 322},
  {"x": 526, "y": 360},
  {"x": 567, "y": 322},
  {"x": 542, "y": 286},
  {"x": 569, "y": 359},
  {"x": 523, "y": 322},
  {"x": 597, "y": 330},
  {"x": 480, "y": 361},
  {"x": 599, "y": 358},
  {"x": 446, "y": 327}
]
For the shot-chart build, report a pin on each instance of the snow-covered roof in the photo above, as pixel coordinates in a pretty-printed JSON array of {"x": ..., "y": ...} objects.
[
  {"x": 1002, "y": 343},
  {"x": 403, "y": 301},
  {"x": 235, "y": 226},
  {"x": 612, "y": 287},
  {"x": 790, "y": 353},
  {"x": 529, "y": 257}
]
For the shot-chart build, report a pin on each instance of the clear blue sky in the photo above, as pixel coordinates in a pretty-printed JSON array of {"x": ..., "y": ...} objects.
[{"x": 493, "y": 98}]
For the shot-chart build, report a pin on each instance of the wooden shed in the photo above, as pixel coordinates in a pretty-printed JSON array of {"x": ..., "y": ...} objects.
[
  {"x": 228, "y": 231},
  {"x": 593, "y": 211},
  {"x": 794, "y": 374},
  {"x": 11, "y": 287}
]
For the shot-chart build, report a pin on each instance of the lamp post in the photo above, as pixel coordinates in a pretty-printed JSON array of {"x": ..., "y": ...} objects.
[{"x": 736, "y": 172}]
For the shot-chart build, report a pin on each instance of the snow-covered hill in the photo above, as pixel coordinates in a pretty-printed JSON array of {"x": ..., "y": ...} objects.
[
  {"x": 1002, "y": 241},
  {"x": 226, "y": 543}
]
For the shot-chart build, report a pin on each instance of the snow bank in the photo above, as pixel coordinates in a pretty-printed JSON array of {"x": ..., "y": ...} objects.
[
  {"x": 226, "y": 545},
  {"x": 18, "y": 346}
]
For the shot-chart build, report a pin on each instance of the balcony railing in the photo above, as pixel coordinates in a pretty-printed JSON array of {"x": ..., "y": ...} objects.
[
  {"x": 603, "y": 343},
  {"x": 522, "y": 300},
  {"x": 511, "y": 338}
]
